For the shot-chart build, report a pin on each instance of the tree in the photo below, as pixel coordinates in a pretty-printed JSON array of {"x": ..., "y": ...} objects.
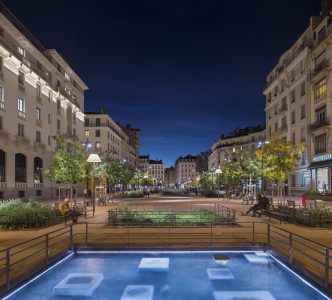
[
  {"x": 119, "y": 173},
  {"x": 250, "y": 164},
  {"x": 232, "y": 174},
  {"x": 69, "y": 163},
  {"x": 279, "y": 158}
]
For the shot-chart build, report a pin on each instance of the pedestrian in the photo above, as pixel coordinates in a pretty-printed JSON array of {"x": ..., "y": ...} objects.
[
  {"x": 304, "y": 200},
  {"x": 66, "y": 211}
]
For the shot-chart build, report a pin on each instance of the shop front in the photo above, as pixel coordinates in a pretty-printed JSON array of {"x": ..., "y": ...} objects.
[{"x": 320, "y": 170}]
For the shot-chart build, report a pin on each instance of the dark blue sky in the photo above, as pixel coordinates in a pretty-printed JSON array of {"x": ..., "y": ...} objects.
[{"x": 182, "y": 71}]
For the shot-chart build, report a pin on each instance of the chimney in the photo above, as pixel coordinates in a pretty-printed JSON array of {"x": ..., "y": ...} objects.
[
  {"x": 326, "y": 7},
  {"x": 103, "y": 110}
]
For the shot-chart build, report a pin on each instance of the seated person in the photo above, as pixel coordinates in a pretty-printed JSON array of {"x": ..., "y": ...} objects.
[
  {"x": 262, "y": 203},
  {"x": 66, "y": 211}
]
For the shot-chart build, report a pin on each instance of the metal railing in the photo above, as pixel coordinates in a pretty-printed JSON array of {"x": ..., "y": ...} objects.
[{"x": 21, "y": 261}]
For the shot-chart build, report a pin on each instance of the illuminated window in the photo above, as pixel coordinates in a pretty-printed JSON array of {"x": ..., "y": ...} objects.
[
  {"x": 67, "y": 76},
  {"x": 21, "y": 50},
  {"x": 38, "y": 90},
  {"x": 2, "y": 100},
  {"x": 320, "y": 89},
  {"x": 38, "y": 114},
  {"x": 98, "y": 145},
  {"x": 20, "y": 78},
  {"x": 320, "y": 144},
  {"x": 21, "y": 107}
]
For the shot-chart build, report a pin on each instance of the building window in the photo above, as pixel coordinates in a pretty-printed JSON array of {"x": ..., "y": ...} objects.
[
  {"x": 2, "y": 98},
  {"x": 38, "y": 193},
  {"x": 293, "y": 138},
  {"x": 21, "y": 107},
  {"x": 302, "y": 111},
  {"x": 302, "y": 135},
  {"x": 97, "y": 134},
  {"x": 303, "y": 88},
  {"x": 293, "y": 96},
  {"x": 320, "y": 89},
  {"x": 87, "y": 133},
  {"x": 74, "y": 132},
  {"x": 49, "y": 140},
  {"x": 58, "y": 105},
  {"x": 293, "y": 179},
  {"x": 87, "y": 122},
  {"x": 38, "y": 114},
  {"x": 20, "y": 168},
  {"x": 284, "y": 122},
  {"x": 20, "y": 78},
  {"x": 320, "y": 144},
  {"x": 37, "y": 170},
  {"x": 321, "y": 34},
  {"x": 38, "y": 136},
  {"x": 98, "y": 122},
  {"x": 320, "y": 59},
  {"x": 98, "y": 145},
  {"x": 58, "y": 125},
  {"x": 321, "y": 114},
  {"x": 1, "y": 123},
  {"x": 21, "y": 51},
  {"x": 20, "y": 130},
  {"x": 2, "y": 166},
  {"x": 49, "y": 119},
  {"x": 49, "y": 96},
  {"x": 293, "y": 117},
  {"x": 67, "y": 76},
  {"x": 38, "y": 91}
]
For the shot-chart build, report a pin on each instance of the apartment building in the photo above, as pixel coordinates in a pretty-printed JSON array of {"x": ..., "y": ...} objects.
[
  {"x": 228, "y": 148},
  {"x": 40, "y": 96},
  {"x": 155, "y": 168},
  {"x": 185, "y": 169},
  {"x": 134, "y": 140},
  {"x": 298, "y": 102},
  {"x": 103, "y": 134},
  {"x": 170, "y": 177}
]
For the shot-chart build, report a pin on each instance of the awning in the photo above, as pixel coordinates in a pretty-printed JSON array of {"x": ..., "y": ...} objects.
[{"x": 320, "y": 164}]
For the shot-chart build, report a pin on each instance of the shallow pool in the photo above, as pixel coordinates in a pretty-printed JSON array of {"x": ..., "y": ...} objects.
[{"x": 168, "y": 275}]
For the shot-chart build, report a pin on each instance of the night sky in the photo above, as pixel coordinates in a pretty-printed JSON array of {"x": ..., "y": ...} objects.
[{"x": 182, "y": 71}]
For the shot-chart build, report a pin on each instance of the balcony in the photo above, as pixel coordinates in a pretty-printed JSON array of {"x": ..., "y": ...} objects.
[
  {"x": 320, "y": 67},
  {"x": 4, "y": 134},
  {"x": 22, "y": 140},
  {"x": 283, "y": 108},
  {"x": 318, "y": 124},
  {"x": 39, "y": 145}
]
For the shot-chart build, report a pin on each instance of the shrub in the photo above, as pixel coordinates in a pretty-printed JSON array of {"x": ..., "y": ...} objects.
[
  {"x": 133, "y": 194},
  {"x": 313, "y": 217},
  {"x": 15, "y": 214},
  {"x": 170, "y": 192},
  {"x": 213, "y": 193}
]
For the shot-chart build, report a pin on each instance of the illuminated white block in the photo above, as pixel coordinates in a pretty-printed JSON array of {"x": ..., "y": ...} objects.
[
  {"x": 243, "y": 295},
  {"x": 220, "y": 274},
  {"x": 138, "y": 292},
  {"x": 221, "y": 259},
  {"x": 154, "y": 264},
  {"x": 261, "y": 253},
  {"x": 78, "y": 284},
  {"x": 257, "y": 259}
]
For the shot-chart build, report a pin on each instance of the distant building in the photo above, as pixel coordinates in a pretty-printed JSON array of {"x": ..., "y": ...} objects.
[
  {"x": 134, "y": 140},
  {"x": 170, "y": 177},
  {"x": 228, "y": 147},
  {"x": 155, "y": 168},
  {"x": 104, "y": 134},
  {"x": 40, "y": 96},
  {"x": 185, "y": 169}
]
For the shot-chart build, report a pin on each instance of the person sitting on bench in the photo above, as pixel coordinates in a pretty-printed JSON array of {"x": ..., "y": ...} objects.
[
  {"x": 262, "y": 203},
  {"x": 66, "y": 211}
]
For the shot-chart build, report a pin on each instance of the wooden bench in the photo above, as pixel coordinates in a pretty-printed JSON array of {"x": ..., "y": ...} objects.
[{"x": 280, "y": 213}]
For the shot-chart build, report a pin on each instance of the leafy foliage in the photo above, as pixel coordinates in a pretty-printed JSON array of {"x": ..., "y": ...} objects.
[
  {"x": 69, "y": 163},
  {"x": 15, "y": 214},
  {"x": 170, "y": 192},
  {"x": 232, "y": 174},
  {"x": 250, "y": 164},
  {"x": 279, "y": 159}
]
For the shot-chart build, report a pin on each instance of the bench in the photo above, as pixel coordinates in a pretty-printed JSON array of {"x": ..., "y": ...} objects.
[
  {"x": 247, "y": 199},
  {"x": 81, "y": 208},
  {"x": 280, "y": 213}
]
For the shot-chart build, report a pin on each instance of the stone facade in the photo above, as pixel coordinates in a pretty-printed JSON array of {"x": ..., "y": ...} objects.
[
  {"x": 185, "y": 169},
  {"x": 298, "y": 103},
  {"x": 228, "y": 147},
  {"x": 40, "y": 96},
  {"x": 155, "y": 168}
]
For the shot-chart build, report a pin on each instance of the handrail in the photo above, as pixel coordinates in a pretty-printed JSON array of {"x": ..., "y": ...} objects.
[{"x": 249, "y": 234}]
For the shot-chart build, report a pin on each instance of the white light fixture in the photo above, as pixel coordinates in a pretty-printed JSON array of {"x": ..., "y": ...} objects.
[
  {"x": 218, "y": 171},
  {"x": 93, "y": 158}
]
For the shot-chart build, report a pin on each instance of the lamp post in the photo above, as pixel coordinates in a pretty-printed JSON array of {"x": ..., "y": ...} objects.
[
  {"x": 261, "y": 146},
  {"x": 212, "y": 172},
  {"x": 218, "y": 171},
  {"x": 93, "y": 158}
]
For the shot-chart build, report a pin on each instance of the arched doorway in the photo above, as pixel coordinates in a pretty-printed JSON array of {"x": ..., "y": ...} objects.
[{"x": 20, "y": 168}]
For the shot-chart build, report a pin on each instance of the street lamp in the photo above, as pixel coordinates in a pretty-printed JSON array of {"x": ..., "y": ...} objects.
[
  {"x": 218, "y": 171},
  {"x": 261, "y": 146},
  {"x": 93, "y": 158},
  {"x": 212, "y": 172}
]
